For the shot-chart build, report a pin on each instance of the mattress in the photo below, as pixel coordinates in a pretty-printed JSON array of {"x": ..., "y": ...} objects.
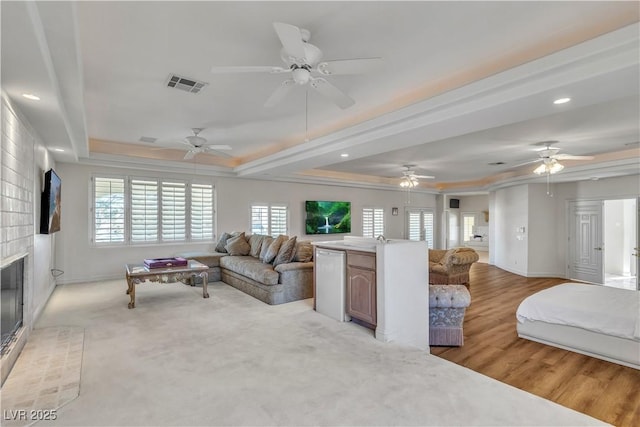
[{"x": 596, "y": 308}]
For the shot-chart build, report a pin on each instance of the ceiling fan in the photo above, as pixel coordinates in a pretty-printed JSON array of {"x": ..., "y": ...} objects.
[
  {"x": 303, "y": 60},
  {"x": 410, "y": 179},
  {"x": 196, "y": 144},
  {"x": 549, "y": 157}
]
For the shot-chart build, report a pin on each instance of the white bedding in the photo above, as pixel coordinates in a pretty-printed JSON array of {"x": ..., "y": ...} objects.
[{"x": 602, "y": 309}]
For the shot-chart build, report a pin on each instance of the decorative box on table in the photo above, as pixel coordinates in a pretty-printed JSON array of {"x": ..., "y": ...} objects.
[{"x": 165, "y": 262}]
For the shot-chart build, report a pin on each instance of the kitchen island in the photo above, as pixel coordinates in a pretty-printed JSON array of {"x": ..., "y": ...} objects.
[{"x": 385, "y": 287}]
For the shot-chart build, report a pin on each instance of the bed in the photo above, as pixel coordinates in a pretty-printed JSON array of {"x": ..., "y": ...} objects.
[{"x": 595, "y": 320}]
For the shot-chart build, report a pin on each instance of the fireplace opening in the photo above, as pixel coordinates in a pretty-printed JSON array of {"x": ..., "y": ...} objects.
[{"x": 12, "y": 285}]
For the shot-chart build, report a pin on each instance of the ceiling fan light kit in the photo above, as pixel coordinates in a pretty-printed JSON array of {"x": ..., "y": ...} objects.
[{"x": 548, "y": 168}]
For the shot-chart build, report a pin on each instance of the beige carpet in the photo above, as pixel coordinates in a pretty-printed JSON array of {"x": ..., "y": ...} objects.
[
  {"x": 180, "y": 360},
  {"x": 46, "y": 376}
]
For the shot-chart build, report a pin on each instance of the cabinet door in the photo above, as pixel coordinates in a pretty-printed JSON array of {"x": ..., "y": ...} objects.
[{"x": 361, "y": 294}]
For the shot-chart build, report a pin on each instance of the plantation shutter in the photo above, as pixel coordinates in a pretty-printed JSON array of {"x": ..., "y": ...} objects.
[
  {"x": 278, "y": 220},
  {"x": 173, "y": 211},
  {"x": 372, "y": 222},
  {"x": 259, "y": 219},
  {"x": 201, "y": 211},
  {"x": 428, "y": 228},
  {"x": 414, "y": 226},
  {"x": 108, "y": 210},
  {"x": 144, "y": 210}
]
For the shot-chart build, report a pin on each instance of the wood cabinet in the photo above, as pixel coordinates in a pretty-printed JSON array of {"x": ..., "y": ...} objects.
[{"x": 361, "y": 286}]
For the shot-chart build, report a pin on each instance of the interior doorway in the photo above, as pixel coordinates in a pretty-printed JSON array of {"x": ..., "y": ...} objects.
[{"x": 621, "y": 243}]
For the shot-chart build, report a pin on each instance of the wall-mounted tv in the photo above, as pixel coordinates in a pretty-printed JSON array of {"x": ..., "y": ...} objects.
[
  {"x": 328, "y": 217},
  {"x": 50, "y": 203}
]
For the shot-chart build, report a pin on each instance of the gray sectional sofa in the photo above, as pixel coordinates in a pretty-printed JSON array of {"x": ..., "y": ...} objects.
[{"x": 260, "y": 278}]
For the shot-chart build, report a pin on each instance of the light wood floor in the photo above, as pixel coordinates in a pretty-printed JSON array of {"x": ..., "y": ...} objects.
[{"x": 601, "y": 389}]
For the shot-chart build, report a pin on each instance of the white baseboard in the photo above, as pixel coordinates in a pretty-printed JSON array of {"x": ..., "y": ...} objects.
[
  {"x": 546, "y": 274},
  {"x": 511, "y": 270},
  {"x": 92, "y": 279}
]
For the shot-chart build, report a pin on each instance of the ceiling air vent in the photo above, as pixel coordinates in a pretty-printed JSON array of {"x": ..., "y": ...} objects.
[
  {"x": 184, "y": 83},
  {"x": 148, "y": 139}
]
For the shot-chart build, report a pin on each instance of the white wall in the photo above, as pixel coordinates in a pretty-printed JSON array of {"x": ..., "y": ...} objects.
[
  {"x": 543, "y": 248},
  {"x": 543, "y": 251},
  {"x": 509, "y": 213},
  {"x": 81, "y": 261}
]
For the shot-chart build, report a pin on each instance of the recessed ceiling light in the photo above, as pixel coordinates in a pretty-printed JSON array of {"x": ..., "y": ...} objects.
[
  {"x": 344, "y": 155},
  {"x": 561, "y": 101},
  {"x": 496, "y": 163},
  {"x": 31, "y": 96},
  {"x": 59, "y": 150}
]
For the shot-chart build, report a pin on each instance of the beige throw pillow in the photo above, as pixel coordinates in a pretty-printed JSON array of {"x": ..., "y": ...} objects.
[
  {"x": 286, "y": 252},
  {"x": 238, "y": 245},
  {"x": 255, "y": 241},
  {"x": 303, "y": 252},
  {"x": 265, "y": 246},
  {"x": 274, "y": 248}
]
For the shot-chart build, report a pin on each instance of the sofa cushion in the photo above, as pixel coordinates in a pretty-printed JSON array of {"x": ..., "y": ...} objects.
[
  {"x": 238, "y": 245},
  {"x": 303, "y": 252},
  {"x": 449, "y": 296},
  {"x": 286, "y": 252},
  {"x": 252, "y": 268},
  {"x": 222, "y": 242},
  {"x": 274, "y": 248},
  {"x": 255, "y": 241},
  {"x": 266, "y": 242}
]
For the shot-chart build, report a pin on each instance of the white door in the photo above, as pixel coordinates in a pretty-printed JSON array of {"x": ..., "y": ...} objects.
[{"x": 585, "y": 241}]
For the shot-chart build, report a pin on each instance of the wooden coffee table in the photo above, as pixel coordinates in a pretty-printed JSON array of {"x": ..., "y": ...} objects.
[{"x": 138, "y": 273}]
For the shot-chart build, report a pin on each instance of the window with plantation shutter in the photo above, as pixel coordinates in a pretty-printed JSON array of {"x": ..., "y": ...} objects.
[
  {"x": 108, "y": 210},
  {"x": 144, "y": 210},
  {"x": 420, "y": 225},
  {"x": 271, "y": 220},
  {"x": 174, "y": 219},
  {"x": 201, "y": 211},
  {"x": 372, "y": 222},
  {"x": 150, "y": 210}
]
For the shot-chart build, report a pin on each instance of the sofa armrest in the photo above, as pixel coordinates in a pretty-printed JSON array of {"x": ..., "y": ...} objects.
[
  {"x": 465, "y": 257},
  {"x": 435, "y": 255}
]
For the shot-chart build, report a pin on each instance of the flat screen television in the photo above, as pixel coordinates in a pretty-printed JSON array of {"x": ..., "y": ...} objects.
[
  {"x": 324, "y": 217},
  {"x": 50, "y": 203}
]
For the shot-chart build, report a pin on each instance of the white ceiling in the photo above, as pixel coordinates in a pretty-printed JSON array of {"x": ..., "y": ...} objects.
[{"x": 461, "y": 85}]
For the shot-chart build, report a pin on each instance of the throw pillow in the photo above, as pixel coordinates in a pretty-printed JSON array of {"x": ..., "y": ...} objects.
[
  {"x": 274, "y": 248},
  {"x": 303, "y": 252},
  {"x": 238, "y": 245},
  {"x": 286, "y": 252},
  {"x": 255, "y": 241},
  {"x": 265, "y": 246},
  {"x": 222, "y": 242}
]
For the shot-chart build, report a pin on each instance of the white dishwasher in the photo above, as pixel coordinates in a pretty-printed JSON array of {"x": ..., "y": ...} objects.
[{"x": 330, "y": 283}]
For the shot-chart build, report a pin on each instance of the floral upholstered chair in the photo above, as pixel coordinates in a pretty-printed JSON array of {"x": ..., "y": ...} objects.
[{"x": 451, "y": 267}]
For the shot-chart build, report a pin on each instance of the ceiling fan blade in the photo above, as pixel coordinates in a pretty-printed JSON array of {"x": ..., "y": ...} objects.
[
  {"x": 291, "y": 38},
  {"x": 280, "y": 92},
  {"x": 341, "y": 99},
  {"x": 348, "y": 66},
  {"x": 425, "y": 176},
  {"x": 189, "y": 155},
  {"x": 571, "y": 157},
  {"x": 218, "y": 152},
  {"x": 530, "y": 162},
  {"x": 217, "y": 147},
  {"x": 249, "y": 69}
]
